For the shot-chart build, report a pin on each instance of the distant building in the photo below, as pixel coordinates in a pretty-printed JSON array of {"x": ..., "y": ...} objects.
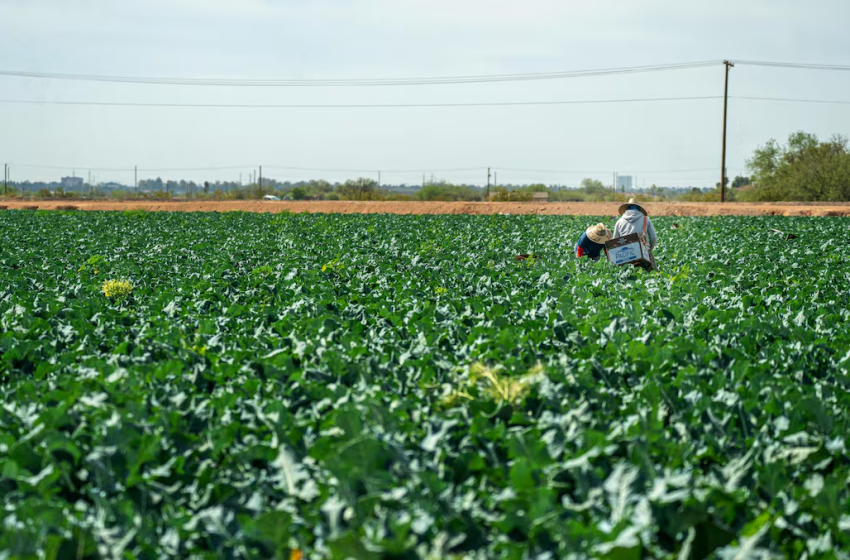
[
  {"x": 624, "y": 182},
  {"x": 540, "y": 197},
  {"x": 72, "y": 182}
]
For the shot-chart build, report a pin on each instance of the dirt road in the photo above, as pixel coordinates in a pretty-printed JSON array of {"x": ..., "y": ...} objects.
[{"x": 351, "y": 207}]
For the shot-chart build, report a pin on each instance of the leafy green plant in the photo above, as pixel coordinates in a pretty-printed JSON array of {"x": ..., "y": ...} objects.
[
  {"x": 425, "y": 395},
  {"x": 95, "y": 264}
]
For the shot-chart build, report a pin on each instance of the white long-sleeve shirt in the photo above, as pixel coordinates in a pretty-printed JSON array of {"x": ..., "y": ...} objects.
[{"x": 632, "y": 222}]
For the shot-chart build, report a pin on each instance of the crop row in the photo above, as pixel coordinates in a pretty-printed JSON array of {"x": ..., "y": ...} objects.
[{"x": 249, "y": 385}]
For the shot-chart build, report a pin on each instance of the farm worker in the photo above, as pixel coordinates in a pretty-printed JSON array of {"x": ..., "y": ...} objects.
[
  {"x": 633, "y": 219},
  {"x": 592, "y": 242}
]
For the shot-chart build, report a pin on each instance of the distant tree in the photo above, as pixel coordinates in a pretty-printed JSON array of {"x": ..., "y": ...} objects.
[
  {"x": 359, "y": 189},
  {"x": 593, "y": 186},
  {"x": 503, "y": 194},
  {"x": 653, "y": 191},
  {"x": 740, "y": 182},
  {"x": 764, "y": 162},
  {"x": 298, "y": 193},
  {"x": 257, "y": 192},
  {"x": 805, "y": 169},
  {"x": 799, "y": 142},
  {"x": 443, "y": 190},
  {"x": 566, "y": 195},
  {"x": 319, "y": 186}
]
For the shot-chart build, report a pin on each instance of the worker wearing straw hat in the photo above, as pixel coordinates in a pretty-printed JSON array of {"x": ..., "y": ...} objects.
[
  {"x": 592, "y": 241},
  {"x": 633, "y": 219}
]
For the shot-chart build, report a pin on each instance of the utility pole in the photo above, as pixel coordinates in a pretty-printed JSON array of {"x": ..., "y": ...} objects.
[
  {"x": 136, "y": 177},
  {"x": 261, "y": 176},
  {"x": 723, "y": 155},
  {"x": 488, "y": 184},
  {"x": 5, "y": 177},
  {"x": 614, "y": 186},
  {"x": 495, "y": 178}
]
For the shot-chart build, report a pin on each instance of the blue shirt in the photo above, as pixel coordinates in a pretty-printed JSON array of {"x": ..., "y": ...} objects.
[{"x": 587, "y": 248}]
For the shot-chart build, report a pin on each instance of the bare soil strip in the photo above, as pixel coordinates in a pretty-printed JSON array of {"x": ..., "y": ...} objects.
[{"x": 368, "y": 207}]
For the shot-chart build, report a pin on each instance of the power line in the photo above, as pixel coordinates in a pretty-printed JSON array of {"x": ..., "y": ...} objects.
[
  {"x": 127, "y": 169},
  {"x": 347, "y": 170},
  {"x": 66, "y": 167},
  {"x": 236, "y": 167},
  {"x": 355, "y": 105},
  {"x": 797, "y": 65},
  {"x": 436, "y": 80},
  {"x": 824, "y": 101},
  {"x": 566, "y": 171},
  {"x": 413, "y": 105},
  {"x": 433, "y": 80},
  {"x": 383, "y": 170}
]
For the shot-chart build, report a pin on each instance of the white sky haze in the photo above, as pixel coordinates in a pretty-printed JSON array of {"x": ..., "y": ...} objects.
[{"x": 662, "y": 142}]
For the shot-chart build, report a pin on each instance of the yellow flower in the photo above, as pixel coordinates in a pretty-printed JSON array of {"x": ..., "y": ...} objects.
[
  {"x": 333, "y": 266},
  {"x": 116, "y": 288}
]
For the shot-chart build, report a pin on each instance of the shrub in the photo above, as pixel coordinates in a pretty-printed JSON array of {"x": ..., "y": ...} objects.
[{"x": 501, "y": 194}]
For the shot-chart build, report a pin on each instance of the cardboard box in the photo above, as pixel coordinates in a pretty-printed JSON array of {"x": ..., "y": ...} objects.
[{"x": 630, "y": 249}]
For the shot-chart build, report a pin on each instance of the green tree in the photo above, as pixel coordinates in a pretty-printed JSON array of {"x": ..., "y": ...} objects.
[
  {"x": 799, "y": 142},
  {"x": 319, "y": 186},
  {"x": 593, "y": 187},
  {"x": 740, "y": 182},
  {"x": 298, "y": 193},
  {"x": 765, "y": 162},
  {"x": 359, "y": 189},
  {"x": 443, "y": 190},
  {"x": 502, "y": 194},
  {"x": 805, "y": 169}
]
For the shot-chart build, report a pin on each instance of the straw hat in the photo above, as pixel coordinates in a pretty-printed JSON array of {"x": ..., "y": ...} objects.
[
  {"x": 599, "y": 234},
  {"x": 631, "y": 201}
]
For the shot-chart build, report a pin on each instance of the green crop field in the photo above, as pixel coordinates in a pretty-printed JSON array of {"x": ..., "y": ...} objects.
[{"x": 338, "y": 386}]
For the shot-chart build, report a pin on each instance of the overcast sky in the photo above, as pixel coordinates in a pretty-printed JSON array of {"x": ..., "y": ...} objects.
[{"x": 666, "y": 143}]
